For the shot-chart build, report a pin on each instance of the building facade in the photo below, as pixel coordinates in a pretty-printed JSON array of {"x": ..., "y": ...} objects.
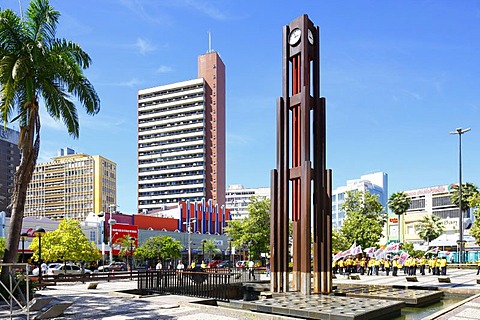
[
  {"x": 71, "y": 186},
  {"x": 376, "y": 183},
  {"x": 9, "y": 160},
  {"x": 426, "y": 201},
  {"x": 238, "y": 198},
  {"x": 181, "y": 139}
]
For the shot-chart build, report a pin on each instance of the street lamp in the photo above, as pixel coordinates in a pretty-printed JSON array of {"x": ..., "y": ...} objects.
[
  {"x": 460, "y": 131},
  {"x": 111, "y": 222},
  {"x": 132, "y": 241},
  {"x": 23, "y": 237},
  {"x": 230, "y": 249},
  {"x": 203, "y": 249},
  {"x": 189, "y": 242},
  {"x": 39, "y": 232}
]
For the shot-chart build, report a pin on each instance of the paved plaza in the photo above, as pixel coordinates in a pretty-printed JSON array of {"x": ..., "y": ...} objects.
[{"x": 107, "y": 302}]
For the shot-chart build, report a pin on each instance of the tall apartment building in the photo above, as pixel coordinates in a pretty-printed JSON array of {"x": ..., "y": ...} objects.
[
  {"x": 9, "y": 160},
  {"x": 238, "y": 198},
  {"x": 376, "y": 183},
  {"x": 181, "y": 139},
  {"x": 72, "y": 186}
]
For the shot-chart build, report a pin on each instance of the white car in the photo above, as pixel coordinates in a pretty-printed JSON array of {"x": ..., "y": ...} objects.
[
  {"x": 61, "y": 268},
  {"x": 50, "y": 265}
]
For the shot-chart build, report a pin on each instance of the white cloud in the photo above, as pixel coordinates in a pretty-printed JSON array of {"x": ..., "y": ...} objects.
[
  {"x": 164, "y": 69},
  {"x": 144, "y": 46}
]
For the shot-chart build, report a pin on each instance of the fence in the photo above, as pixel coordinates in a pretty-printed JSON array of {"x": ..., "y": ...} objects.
[{"x": 218, "y": 284}]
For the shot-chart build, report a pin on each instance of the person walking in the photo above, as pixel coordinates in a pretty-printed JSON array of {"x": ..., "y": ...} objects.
[
  {"x": 251, "y": 270},
  {"x": 386, "y": 265},
  {"x": 478, "y": 267},
  {"x": 443, "y": 266},
  {"x": 395, "y": 267},
  {"x": 422, "y": 263}
]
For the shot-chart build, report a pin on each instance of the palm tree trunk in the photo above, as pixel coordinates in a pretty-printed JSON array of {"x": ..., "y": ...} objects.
[{"x": 22, "y": 178}]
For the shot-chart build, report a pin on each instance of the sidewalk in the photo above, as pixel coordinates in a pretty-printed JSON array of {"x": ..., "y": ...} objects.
[{"x": 108, "y": 303}]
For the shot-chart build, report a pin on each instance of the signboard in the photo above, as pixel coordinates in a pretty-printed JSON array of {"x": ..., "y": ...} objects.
[
  {"x": 393, "y": 220},
  {"x": 121, "y": 230}
]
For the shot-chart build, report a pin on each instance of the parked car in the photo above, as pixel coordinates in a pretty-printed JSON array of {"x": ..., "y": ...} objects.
[
  {"x": 61, "y": 268},
  {"x": 113, "y": 266},
  {"x": 214, "y": 263},
  {"x": 50, "y": 265},
  {"x": 241, "y": 264},
  {"x": 225, "y": 264}
]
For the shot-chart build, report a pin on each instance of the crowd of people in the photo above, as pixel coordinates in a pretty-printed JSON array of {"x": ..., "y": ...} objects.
[{"x": 372, "y": 266}]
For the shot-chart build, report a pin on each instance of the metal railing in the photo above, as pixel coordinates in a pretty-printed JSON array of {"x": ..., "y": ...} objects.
[
  {"x": 16, "y": 292},
  {"x": 218, "y": 284}
]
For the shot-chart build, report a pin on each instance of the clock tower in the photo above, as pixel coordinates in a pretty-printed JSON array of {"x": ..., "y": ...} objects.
[{"x": 300, "y": 176}]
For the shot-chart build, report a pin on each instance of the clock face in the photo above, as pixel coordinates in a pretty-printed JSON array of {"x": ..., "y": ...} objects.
[
  {"x": 294, "y": 37},
  {"x": 310, "y": 36}
]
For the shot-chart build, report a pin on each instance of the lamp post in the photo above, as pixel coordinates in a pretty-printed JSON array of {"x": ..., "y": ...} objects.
[
  {"x": 230, "y": 250},
  {"x": 203, "y": 249},
  {"x": 39, "y": 232},
  {"x": 460, "y": 131},
  {"x": 23, "y": 237},
  {"x": 190, "y": 242},
  {"x": 111, "y": 222},
  {"x": 132, "y": 240}
]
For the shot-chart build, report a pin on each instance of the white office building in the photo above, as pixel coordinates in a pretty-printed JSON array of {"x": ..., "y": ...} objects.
[
  {"x": 376, "y": 183},
  {"x": 238, "y": 198}
]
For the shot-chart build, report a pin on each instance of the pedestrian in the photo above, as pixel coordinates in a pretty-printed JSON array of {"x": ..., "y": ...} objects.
[
  {"x": 478, "y": 267},
  {"x": 251, "y": 269},
  {"x": 443, "y": 266},
  {"x": 159, "y": 265},
  {"x": 422, "y": 263},
  {"x": 386, "y": 265},
  {"x": 268, "y": 268},
  {"x": 395, "y": 267},
  {"x": 44, "y": 268}
]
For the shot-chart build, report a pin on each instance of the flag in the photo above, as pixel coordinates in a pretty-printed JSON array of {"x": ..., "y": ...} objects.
[
  {"x": 338, "y": 256},
  {"x": 403, "y": 257},
  {"x": 392, "y": 247},
  {"x": 379, "y": 253},
  {"x": 369, "y": 250},
  {"x": 433, "y": 251},
  {"x": 357, "y": 250}
]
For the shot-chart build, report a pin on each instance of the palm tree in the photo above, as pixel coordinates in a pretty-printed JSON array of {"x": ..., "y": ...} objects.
[
  {"x": 399, "y": 202},
  {"x": 468, "y": 191},
  {"x": 209, "y": 249},
  {"x": 36, "y": 67},
  {"x": 430, "y": 228}
]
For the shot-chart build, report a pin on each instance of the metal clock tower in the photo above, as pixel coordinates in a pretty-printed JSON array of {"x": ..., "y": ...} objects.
[{"x": 300, "y": 176}]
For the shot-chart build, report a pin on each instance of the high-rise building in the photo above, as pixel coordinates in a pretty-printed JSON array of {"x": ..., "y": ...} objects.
[
  {"x": 238, "y": 198},
  {"x": 181, "y": 139},
  {"x": 72, "y": 186},
  {"x": 375, "y": 183},
  {"x": 9, "y": 160}
]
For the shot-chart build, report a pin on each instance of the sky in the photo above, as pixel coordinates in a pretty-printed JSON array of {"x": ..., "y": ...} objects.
[{"x": 398, "y": 77}]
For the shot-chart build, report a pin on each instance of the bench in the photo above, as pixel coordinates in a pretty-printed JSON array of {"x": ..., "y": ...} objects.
[
  {"x": 92, "y": 285},
  {"x": 354, "y": 277},
  {"x": 411, "y": 279},
  {"x": 54, "y": 311},
  {"x": 444, "y": 279}
]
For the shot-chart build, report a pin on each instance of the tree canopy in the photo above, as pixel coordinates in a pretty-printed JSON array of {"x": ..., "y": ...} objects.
[
  {"x": 160, "y": 248},
  {"x": 66, "y": 243},
  {"x": 469, "y": 190},
  {"x": 364, "y": 220},
  {"x": 430, "y": 228},
  {"x": 209, "y": 248},
  {"x": 36, "y": 67},
  {"x": 399, "y": 202},
  {"x": 254, "y": 231}
]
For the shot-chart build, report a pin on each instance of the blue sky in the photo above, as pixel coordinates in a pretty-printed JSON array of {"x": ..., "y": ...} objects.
[{"x": 398, "y": 76}]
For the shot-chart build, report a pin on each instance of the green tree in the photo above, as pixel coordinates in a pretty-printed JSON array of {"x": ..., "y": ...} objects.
[
  {"x": 469, "y": 190},
  {"x": 66, "y": 243},
  {"x": 252, "y": 232},
  {"x": 2, "y": 246},
  {"x": 125, "y": 245},
  {"x": 399, "y": 202},
  {"x": 474, "y": 202},
  {"x": 36, "y": 67},
  {"x": 339, "y": 241},
  {"x": 430, "y": 228},
  {"x": 364, "y": 220},
  {"x": 209, "y": 249},
  {"x": 160, "y": 248},
  {"x": 411, "y": 251}
]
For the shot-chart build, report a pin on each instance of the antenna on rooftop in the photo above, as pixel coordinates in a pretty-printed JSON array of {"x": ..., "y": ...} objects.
[{"x": 209, "y": 42}]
